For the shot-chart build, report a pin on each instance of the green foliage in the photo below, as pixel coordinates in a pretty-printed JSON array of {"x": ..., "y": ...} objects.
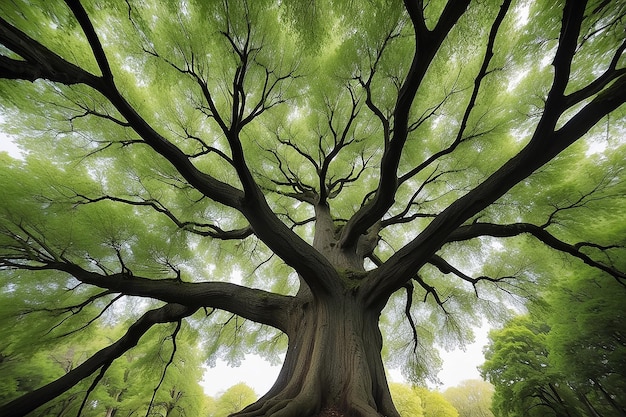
[
  {"x": 471, "y": 398},
  {"x": 233, "y": 399},
  {"x": 406, "y": 400},
  {"x": 435, "y": 404},
  {"x": 420, "y": 401},
  {"x": 566, "y": 357}
]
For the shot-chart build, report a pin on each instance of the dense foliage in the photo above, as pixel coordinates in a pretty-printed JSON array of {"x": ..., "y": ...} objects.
[
  {"x": 471, "y": 398},
  {"x": 566, "y": 358},
  {"x": 421, "y": 402},
  {"x": 345, "y": 183},
  {"x": 121, "y": 390}
]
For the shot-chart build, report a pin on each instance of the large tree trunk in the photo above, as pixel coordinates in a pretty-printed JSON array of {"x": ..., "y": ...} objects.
[{"x": 333, "y": 362}]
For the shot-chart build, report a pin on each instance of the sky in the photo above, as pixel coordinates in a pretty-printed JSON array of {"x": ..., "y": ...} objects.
[{"x": 8, "y": 146}]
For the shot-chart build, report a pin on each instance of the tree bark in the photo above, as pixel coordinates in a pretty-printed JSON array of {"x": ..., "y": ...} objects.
[
  {"x": 111, "y": 412},
  {"x": 333, "y": 361}
]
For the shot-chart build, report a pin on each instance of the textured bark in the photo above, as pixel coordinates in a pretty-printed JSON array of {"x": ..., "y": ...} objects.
[
  {"x": 333, "y": 361},
  {"x": 334, "y": 356}
]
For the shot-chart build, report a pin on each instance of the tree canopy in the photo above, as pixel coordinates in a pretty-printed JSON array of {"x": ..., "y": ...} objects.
[
  {"x": 471, "y": 398},
  {"x": 565, "y": 358},
  {"x": 120, "y": 390},
  {"x": 232, "y": 400},
  {"x": 344, "y": 183}
]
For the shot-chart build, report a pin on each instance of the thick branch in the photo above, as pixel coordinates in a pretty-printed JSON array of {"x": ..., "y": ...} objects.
[
  {"x": 253, "y": 304},
  {"x": 544, "y": 145},
  {"x": 429, "y": 289},
  {"x": 312, "y": 266},
  {"x": 29, "y": 402},
  {"x": 257, "y": 305},
  {"x": 408, "y": 260},
  {"x": 601, "y": 82},
  {"x": 96, "y": 47},
  {"x": 426, "y": 45},
  {"x": 573, "y": 16},
  {"x": 39, "y": 62},
  {"x": 509, "y": 230}
]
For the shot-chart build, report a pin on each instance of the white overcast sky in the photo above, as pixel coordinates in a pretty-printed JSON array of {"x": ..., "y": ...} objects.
[{"x": 8, "y": 146}]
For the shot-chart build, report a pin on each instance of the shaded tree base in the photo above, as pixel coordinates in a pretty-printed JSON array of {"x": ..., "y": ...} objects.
[
  {"x": 331, "y": 412},
  {"x": 333, "y": 365}
]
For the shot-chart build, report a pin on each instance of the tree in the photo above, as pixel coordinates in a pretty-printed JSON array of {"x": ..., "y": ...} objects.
[
  {"x": 406, "y": 400},
  {"x": 258, "y": 169},
  {"x": 586, "y": 341},
  {"x": 471, "y": 398},
  {"x": 435, "y": 404},
  {"x": 232, "y": 400},
  {"x": 516, "y": 363},
  {"x": 566, "y": 358}
]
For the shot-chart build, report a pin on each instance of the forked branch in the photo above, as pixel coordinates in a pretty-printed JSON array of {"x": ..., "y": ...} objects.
[
  {"x": 545, "y": 144},
  {"x": 482, "y": 73},
  {"x": 427, "y": 43}
]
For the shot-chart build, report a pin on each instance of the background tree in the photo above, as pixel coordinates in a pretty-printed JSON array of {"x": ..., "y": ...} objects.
[
  {"x": 407, "y": 402},
  {"x": 232, "y": 400},
  {"x": 516, "y": 363},
  {"x": 255, "y": 170},
  {"x": 420, "y": 401},
  {"x": 567, "y": 357},
  {"x": 435, "y": 404},
  {"x": 471, "y": 398}
]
